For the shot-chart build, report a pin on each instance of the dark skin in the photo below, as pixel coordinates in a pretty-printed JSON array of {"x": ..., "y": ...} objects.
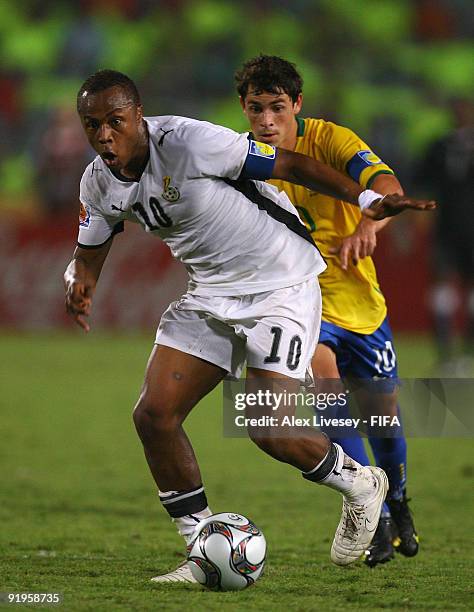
[
  {"x": 115, "y": 129},
  {"x": 175, "y": 381}
]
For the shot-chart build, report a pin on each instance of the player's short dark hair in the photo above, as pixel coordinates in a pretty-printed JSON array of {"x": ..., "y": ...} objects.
[
  {"x": 103, "y": 79},
  {"x": 269, "y": 73}
]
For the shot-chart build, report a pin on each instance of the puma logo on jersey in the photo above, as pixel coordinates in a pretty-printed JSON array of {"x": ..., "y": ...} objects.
[
  {"x": 170, "y": 193},
  {"x": 162, "y": 139},
  {"x": 94, "y": 169}
]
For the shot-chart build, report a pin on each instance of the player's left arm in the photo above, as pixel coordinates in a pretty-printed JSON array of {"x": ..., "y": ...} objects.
[
  {"x": 363, "y": 241},
  {"x": 308, "y": 172}
]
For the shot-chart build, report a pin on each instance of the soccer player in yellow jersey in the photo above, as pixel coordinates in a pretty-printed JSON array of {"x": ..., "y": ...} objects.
[{"x": 355, "y": 338}]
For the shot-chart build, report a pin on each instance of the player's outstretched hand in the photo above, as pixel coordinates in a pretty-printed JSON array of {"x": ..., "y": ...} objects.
[{"x": 391, "y": 205}]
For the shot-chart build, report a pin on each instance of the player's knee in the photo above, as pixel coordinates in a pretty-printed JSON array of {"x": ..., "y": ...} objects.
[{"x": 153, "y": 417}]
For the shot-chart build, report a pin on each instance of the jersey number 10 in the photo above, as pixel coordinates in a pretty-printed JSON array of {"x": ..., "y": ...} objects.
[
  {"x": 294, "y": 349},
  {"x": 159, "y": 215}
]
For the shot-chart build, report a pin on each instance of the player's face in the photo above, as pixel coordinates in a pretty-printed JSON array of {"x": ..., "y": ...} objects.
[
  {"x": 114, "y": 127},
  {"x": 272, "y": 116}
]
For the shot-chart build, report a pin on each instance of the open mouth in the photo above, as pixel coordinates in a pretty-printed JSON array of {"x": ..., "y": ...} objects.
[{"x": 109, "y": 158}]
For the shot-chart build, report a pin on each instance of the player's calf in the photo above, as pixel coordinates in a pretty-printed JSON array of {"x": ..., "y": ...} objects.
[{"x": 295, "y": 448}]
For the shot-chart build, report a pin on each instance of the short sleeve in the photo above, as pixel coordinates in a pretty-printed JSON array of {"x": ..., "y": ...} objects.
[
  {"x": 95, "y": 229},
  {"x": 346, "y": 152},
  {"x": 210, "y": 150}
]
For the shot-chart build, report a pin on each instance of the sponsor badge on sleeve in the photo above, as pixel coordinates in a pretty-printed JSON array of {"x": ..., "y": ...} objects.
[
  {"x": 261, "y": 149},
  {"x": 84, "y": 215},
  {"x": 369, "y": 158}
]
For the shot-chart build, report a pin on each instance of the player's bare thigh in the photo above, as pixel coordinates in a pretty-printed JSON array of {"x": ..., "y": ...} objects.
[
  {"x": 325, "y": 370},
  {"x": 174, "y": 383},
  {"x": 324, "y": 362},
  {"x": 258, "y": 379}
]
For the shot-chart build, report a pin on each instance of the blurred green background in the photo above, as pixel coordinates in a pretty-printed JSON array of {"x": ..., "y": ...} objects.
[{"x": 385, "y": 67}]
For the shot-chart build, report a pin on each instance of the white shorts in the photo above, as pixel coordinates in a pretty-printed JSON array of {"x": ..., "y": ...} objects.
[{"x": 276, "y": 330}]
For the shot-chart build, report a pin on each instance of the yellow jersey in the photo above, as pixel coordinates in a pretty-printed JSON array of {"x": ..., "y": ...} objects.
[{"x": 352, "y": 299}]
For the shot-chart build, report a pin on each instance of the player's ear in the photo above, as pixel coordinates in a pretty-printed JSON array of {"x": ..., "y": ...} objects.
[
  {"x": 242, "y": 103},
  {"x": 298, "y": 104},
  {"x": 139, "y": 112}
]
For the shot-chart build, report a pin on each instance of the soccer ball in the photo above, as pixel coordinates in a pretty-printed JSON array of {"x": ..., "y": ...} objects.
[{"x": 227, "y": 552}]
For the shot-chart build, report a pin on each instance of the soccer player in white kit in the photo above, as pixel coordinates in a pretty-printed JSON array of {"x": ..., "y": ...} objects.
[{"x": 253, "y": 294}]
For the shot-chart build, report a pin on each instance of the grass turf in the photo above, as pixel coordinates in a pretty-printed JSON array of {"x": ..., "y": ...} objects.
[{"x": 79, "y": 514}]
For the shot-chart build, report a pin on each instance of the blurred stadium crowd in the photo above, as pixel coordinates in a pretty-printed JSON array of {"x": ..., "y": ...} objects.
[
  {"x": 387, "y": 68},
  {"x": 392, "y": 70}
]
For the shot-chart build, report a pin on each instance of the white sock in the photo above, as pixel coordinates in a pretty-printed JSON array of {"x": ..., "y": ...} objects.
[
  {"x": 343, "y": 471},
  {"x": 188, "y": 522},
  {"x": 344, "y": 478}
]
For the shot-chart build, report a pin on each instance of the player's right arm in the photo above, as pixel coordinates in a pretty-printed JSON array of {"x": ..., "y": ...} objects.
[
  {"x": 96, "y": 233},
  {"x": 80, "y": 280}
]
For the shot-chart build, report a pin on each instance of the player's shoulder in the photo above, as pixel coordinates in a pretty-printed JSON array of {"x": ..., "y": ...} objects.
[
  {"x": 333, "y": 140},
  {"x": 323, "y": 128},
  {"x": 177, "y": 131},
  {"x": 95, "y": 181}
]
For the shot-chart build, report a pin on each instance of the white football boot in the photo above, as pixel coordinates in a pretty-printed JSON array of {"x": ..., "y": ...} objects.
[
  {"x": 360, "y": 515},
  {"x": 181, "y": 574}
]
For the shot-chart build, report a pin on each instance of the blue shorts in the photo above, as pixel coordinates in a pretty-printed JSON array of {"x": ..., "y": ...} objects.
[{"x": 362, "y": 356}]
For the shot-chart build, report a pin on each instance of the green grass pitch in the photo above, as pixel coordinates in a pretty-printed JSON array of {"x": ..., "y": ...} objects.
[{"x": 79, "y": 513}]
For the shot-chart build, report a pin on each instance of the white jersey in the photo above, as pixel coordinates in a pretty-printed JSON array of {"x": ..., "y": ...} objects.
[{"x": 232, "y": 235}]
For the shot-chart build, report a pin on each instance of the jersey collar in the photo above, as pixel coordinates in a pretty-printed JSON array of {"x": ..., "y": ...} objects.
[{"x": 300, "y": 131}]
